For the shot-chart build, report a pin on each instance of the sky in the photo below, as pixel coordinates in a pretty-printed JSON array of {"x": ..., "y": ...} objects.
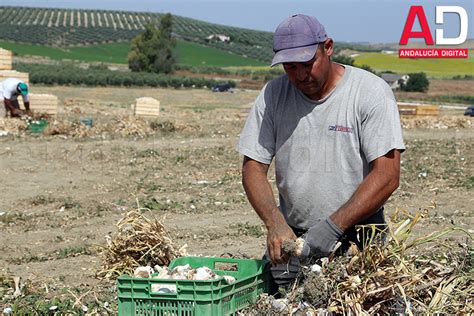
[{"x": 374, "y": 21}]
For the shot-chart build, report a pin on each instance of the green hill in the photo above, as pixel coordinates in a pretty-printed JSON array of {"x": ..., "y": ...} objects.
[
  {"x": 188, "y": 53},
  {"x": 104, "y": 36},
  {"x": 70, "y": 28}
]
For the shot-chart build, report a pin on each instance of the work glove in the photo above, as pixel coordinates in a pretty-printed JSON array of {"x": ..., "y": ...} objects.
[{"x": 321, "y": 239}]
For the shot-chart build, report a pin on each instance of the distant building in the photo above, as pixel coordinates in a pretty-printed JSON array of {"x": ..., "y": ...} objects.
[
  {"x": 394, "y": 80},
  {"x": 219, "y": 37}
]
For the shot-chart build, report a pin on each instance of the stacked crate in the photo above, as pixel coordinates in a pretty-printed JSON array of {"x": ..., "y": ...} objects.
[
  {"x": 6, "y": 71},
  {"x": 6, "y": 59},
  {"x": 23, "y": 76},
  {"x": 146, "y": 106},
  {"x": 42, "y": 103},
  {"x": 417, "y": 109},
  {"x": 39, "y": 103}
]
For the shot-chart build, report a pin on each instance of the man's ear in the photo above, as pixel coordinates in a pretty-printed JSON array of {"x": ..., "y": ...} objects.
[{"x": 328, "y": 47}]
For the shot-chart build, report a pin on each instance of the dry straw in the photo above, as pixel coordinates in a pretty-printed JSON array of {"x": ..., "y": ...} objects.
[
  {"x": 444, "y": 122},
  {"x": 407, "y": 274},
  {"x": 140, "y": 240}
]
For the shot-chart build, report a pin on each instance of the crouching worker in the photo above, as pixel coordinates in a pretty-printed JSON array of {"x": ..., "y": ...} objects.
[
  {"x": 11, "y": 88},
  {"x": 334, "y": 134}
]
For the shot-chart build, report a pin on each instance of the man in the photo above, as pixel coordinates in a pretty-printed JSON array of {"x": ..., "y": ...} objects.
[
  {"x": 334, "y": 133},
  {"x": 11, "y": 88}
]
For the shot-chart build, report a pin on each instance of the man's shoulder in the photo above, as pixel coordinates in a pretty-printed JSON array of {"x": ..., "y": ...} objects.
[
  {"x": 278, "y": 87},
  {"x": 367, "y": 76},
  {"x": 368, "y": 82},
  {"x": 279, "y": 81},
  {"x": 11, "y": 82}
]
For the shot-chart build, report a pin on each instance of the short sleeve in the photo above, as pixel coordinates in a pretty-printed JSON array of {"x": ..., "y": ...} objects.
[
  {"x": 257, "y": 140},
  {"x": 6, "y": 93},
  {"x": 26, "y": 98},
  {"x": 381, "y": 130},
  {"x": 9, "y": 89}
]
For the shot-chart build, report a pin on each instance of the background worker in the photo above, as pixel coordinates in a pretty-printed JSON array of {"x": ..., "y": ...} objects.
[
  {"x": 334, "y": 133},
  {"x": 11, "y": 88}
]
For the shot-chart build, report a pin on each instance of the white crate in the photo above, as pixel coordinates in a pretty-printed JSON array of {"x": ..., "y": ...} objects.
[
  {"x": 42, "y": 103},
  {"x": 23, "y": 76},
  {"x": 146, "y": 106},
  {"x": 6, "y": 59}
]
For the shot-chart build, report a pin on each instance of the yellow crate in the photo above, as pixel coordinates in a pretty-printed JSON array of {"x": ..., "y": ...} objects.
[
  {"x": 42, "y": 103},
  {"x": 23, "y": 76},
  {"x": 6, "y": 59},
  {"x": 418, "y": 109},
  {"x": 146, "y": 106}
]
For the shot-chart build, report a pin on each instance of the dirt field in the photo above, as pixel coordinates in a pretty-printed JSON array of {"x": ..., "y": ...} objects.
[
  {"x": 440, "y": 88},
  {"x": 61, "y": 196}
]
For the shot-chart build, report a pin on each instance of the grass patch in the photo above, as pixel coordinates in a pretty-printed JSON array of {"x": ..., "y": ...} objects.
[
  {"x": 187, "y": 53},
  {"x": 439, "y": 68},
  {"x": 42, "y": 200},
  {"x": 154, "y": 205},
  {"x": 71, "y": 252},
  {"x": 247, "y": 229},
  {"x": 468, "y": 182},
  {"x": 41, "y": 299},
  {"x": 197, "y": 55},
  {"x": 164, "y": 126},
  {"x": 63, "y": 253}
]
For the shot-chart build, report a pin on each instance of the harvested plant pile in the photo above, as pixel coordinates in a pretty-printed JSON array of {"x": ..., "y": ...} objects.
[
  {"x": 437, "y": 122},
  {"x": 402, "y": 276},
  {"x": 122, "y": 126},
  {"x": 74, "y": 129},
  {"x": 140, "y": 241},
  {"x": 13, "y": 126},
  {"x": 131, "y": 126}
]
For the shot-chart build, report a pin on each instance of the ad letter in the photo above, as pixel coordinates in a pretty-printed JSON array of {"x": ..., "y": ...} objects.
[
  {"x": 416, "y": 10},
  {"x": 440, "y": 11}
]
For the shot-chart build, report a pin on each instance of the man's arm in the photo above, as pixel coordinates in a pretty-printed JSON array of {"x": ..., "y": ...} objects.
[
  {"x": 375, "y": 189},
  {"x": 27, "y": 106},
  {"x": 382, "y": 180},
  {"x": 10, "y": 107},
  {"x": 260, "y": 195}
]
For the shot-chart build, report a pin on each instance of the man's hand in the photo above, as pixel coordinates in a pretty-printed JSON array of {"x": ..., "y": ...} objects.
[
  {"x": 259, "y": 192},
  {"x": 16, "y": 112},
  {"x": 321, "y": 239},
  {"x": 277, "y": 234}
]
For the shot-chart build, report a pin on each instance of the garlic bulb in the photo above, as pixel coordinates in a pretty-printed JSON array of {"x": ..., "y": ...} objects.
[
  {"x": 181, "y": 272},
  {"x": 143, "y": 272},
  {"x": 203, "y": 274},
  {"x": 229, "y": 279},
  {"x": 165, "y": 273}
]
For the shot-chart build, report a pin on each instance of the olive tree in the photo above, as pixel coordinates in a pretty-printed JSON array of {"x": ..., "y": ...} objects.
[{"x": 152, "y": 50}]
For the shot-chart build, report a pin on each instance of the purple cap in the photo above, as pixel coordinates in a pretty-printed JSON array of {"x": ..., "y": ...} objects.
[{"x": 296, "y": 39}]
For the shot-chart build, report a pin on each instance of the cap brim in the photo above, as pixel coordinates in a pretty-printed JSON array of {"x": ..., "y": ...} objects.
[{"x": 295, "y": 55}]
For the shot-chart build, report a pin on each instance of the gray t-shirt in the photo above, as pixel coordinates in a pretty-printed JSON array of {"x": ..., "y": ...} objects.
[{"x": 322, "y": 149}]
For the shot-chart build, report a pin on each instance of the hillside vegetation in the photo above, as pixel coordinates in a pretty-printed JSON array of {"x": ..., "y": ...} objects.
[
  {"x": 72, "y": 27},
  {"x": 105, "y": 36},
  {"x": 188, "y": 53}
]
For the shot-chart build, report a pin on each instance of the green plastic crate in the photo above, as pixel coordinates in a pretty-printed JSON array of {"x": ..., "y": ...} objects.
[
  {"x": 37, "y": 126},
  {"x": 137, "y": 296},
  {"x": 87, "y": 122}
]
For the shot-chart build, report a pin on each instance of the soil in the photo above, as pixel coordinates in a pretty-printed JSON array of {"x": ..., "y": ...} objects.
[
  {"x": 61, "y": 196},
  {"x": 439, "y": 87}
]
